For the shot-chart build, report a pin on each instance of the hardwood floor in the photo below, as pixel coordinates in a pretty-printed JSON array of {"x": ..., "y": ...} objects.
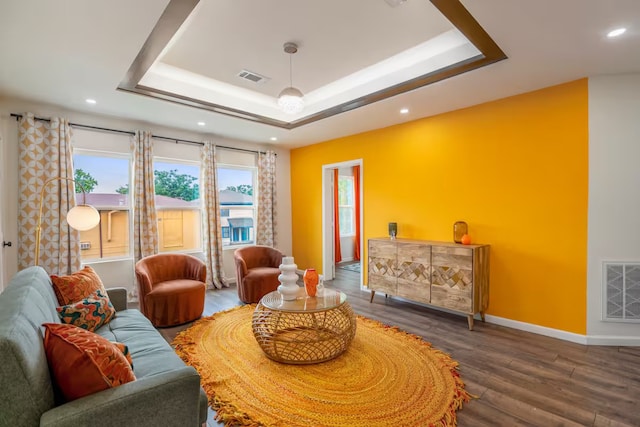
[{"x": 520, "y": 379}]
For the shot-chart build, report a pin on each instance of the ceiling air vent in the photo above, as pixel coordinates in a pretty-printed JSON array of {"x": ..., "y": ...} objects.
[{"x": 252, "y": 77}]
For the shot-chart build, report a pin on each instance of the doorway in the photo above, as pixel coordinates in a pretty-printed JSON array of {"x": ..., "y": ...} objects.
[{"x": 351, "y": 241}]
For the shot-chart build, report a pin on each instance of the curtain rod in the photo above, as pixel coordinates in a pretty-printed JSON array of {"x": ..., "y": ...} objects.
[{"x": 128, "y": 132}]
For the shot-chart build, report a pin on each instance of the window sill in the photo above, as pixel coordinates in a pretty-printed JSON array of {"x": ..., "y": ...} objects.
[{"x": 234, "y": 247}]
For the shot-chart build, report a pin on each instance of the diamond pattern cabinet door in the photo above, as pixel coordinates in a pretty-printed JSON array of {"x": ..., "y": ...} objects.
[
  {"x": 452, "y": 278},
  {"x": 382, "y": 266},
  {"x": 414, "y": 271}
]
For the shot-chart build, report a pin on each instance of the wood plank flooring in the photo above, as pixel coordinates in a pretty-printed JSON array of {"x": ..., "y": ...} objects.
[{"x": 520, "y": 379}]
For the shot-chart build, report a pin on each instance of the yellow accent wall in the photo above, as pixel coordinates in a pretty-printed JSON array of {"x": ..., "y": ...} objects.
[{"x": 516, "y": 170}]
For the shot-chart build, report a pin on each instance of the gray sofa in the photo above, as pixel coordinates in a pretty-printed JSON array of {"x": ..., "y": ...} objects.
[{"x": 166, "y": 392}]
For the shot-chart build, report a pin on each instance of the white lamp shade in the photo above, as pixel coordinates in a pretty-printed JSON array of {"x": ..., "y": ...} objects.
[
  {"x": 290, "y": 100},
  {"x": 83, "y": 217}
]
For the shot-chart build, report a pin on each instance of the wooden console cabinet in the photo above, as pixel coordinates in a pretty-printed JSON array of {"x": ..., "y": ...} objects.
[{"x": 441, "y": 274}]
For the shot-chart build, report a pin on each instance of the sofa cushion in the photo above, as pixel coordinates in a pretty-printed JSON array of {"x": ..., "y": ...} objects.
[
  {"x": 77, "y": 286},
  {"x": 89, "y": 313},
  {"x": 150, "y": 353},
  {"x": 82, "y": 362}
]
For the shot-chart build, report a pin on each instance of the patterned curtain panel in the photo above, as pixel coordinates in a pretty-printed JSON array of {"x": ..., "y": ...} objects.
[
  {"x": 145, "y": 221},
  {"x": 266, "y": 229},
  {"x": 45, "y": 154},
  {"x": 211, "y": 218}
]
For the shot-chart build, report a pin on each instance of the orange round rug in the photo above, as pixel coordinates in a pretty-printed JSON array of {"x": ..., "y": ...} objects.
[{"x": 385, "y": 378}]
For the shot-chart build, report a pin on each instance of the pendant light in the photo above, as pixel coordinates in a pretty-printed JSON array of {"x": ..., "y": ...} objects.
[{"x": 291, "y": 99}]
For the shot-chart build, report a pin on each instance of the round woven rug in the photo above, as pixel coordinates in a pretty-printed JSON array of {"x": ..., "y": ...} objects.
[{"x": 385, "y": 378}]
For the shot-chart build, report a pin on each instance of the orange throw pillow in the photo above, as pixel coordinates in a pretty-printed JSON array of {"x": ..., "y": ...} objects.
[
  {"x": 82, "y": 362},
  {"x": 77, "y": 286}
]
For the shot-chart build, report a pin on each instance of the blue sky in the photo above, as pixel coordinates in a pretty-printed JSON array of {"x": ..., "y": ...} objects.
[{"x": 112, "y": 173}]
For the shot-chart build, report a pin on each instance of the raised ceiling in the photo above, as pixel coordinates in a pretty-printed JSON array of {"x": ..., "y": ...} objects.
[
  {"x": 62, "y": 52},
  {"x": 186, "y": 59}
]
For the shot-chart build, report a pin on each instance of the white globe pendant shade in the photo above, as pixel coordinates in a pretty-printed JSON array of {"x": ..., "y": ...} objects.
[
  {"x": 291, "y": 101},
  {"x": 83, "y": 217}
]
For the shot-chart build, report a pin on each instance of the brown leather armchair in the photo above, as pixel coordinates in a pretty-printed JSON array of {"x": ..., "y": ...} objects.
[
  {"x": 257, "y": 271},
  {"x": 171, "y": 288}
]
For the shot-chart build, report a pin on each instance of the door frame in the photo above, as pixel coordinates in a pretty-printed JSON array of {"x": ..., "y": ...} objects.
[{"x": 328, "y": 257}]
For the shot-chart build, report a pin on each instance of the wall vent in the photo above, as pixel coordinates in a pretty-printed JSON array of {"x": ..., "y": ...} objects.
[
  {"x": 252, "y": 77},
  {"x": 622, "y": 291}
]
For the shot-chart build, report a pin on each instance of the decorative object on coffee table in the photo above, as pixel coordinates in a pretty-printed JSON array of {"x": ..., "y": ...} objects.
[
  {"x": 310, "y": 279},
  {"x": 305, "y": 330},
  {"x": 288, "y": 278},
  {"x": 356, "y": 388},
  {"x": 460, "y": 228}
]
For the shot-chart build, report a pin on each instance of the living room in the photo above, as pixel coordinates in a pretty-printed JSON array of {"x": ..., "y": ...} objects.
[{"x": 544, "y": 175}]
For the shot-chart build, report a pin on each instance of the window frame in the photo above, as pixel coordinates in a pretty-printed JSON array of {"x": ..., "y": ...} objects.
[
  {"x": 351, "y": 207},
  {"x": 253, "y": 207},
  {"x": 129, "y": 209},
  {"x": 199, "y": 207}
]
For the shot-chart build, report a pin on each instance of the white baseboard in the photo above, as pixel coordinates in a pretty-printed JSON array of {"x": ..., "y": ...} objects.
[
  {"x": 612, "y": 340},
  {"x": 536, "y": 329}
]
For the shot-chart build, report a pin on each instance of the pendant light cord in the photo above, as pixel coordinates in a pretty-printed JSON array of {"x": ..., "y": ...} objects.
[{"x": 290, "y": 70}]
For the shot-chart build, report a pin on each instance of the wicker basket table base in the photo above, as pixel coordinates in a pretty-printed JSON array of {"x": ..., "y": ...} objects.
[{"x": 306, "y": 330}]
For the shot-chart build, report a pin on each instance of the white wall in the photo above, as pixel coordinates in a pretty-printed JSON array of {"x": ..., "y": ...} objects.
[
  {"x": 614, "y": 195},
  {"x": 118, "y": 273}
]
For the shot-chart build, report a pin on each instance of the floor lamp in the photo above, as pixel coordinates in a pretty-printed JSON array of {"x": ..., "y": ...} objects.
[{"x": 81, "y": 217}]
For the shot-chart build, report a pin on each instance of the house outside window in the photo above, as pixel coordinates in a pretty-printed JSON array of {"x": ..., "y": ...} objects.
[
  {"x": 102, "y": 174},
  {"x": 346, "y": 208},
  {"x": 178, "y": 205},
  {"x": 237, "y": 186}
]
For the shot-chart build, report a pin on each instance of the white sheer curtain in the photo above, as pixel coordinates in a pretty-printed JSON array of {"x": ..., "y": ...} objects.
[
  {"x": 145, "y": 220},
  {"x": 211, "y": 218},
  {"x": 266, "y": 230},
  {"x": 45, "y": 153}
]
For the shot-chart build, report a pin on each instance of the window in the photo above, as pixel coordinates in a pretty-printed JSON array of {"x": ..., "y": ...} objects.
[
  {"x": 178, "y": 205},
  {"x": 346, "y": 205},
  {"x": 105, "y": 178},
  {"x": 237, "y": 204}
]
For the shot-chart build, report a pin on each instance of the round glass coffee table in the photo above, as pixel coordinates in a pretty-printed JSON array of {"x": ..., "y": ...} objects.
[{"x": 305, "y": 330}]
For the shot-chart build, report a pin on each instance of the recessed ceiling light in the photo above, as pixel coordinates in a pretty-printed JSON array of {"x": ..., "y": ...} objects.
[
  {"x": 201, "y": 123},
  {"x": 617, "y": 32},
  {"x": 404, "y": 111},
  {"x": 90, "y": 101},
  {"x": 273, "y": 138}
]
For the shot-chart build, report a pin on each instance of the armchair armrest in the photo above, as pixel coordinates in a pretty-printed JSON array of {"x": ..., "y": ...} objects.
[
  {"x": 118, "y": 297},
  {"x": 241, "y": 266},
  {"x": 169, "y": 399}
]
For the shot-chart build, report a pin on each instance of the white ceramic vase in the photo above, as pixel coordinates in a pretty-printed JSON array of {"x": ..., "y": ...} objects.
[{"x": 288, "y": 279}]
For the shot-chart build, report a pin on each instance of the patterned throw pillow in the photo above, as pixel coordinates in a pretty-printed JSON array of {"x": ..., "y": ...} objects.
[
  {"x": 125, "y": 350},
  {"x": 89, "y": 313},
  {"x": 82, "y": 362},
  {"x": 76, "y": 286}
]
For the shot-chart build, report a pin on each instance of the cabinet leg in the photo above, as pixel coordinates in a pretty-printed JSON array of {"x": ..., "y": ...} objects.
[
  {"x": 470, "y": 320},
  {"x": 373, "y": 294},
  {"x": 482, "y": 315}
]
